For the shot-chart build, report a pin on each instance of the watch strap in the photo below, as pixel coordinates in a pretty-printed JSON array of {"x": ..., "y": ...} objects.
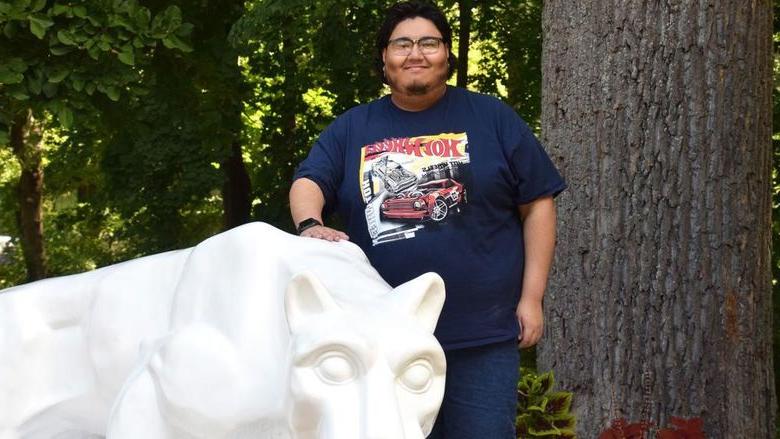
[{"x": 308, "y": 223}]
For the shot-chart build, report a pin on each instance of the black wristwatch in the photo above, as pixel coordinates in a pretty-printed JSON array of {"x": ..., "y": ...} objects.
[{"x": 308, "y": 223}]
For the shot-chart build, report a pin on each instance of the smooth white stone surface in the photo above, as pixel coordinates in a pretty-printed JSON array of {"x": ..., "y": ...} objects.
[{"x": 254, "y": 333}]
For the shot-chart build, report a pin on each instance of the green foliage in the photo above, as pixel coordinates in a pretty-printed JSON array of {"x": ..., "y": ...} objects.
[
  {"x": 511, "y": 60},
  {"x": 296, "y": 53},
  {"x": 542, "y": 412},
  {"x": 161, "y": 153},
  {"x": 158, "y": 172},
  {"x": 12, "y": 269},
  {"x": 59, "y": 53},
  {"x": 66, "y": 62}
]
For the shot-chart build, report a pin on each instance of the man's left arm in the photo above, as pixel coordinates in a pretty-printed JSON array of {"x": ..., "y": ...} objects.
[{"x": 539, "y": 235}]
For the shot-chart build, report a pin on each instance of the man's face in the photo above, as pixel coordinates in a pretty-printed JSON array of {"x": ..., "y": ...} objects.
[{"x": 416, "y": 73}]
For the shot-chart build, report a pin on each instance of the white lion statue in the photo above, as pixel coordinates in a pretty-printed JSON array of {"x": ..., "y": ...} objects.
[{"x": 253, "y": 333}]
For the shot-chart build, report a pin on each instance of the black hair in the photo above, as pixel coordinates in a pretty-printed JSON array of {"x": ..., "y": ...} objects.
[{"x": 411, "y": 9}]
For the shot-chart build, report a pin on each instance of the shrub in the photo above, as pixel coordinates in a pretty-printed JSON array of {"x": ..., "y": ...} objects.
[{"x": 541, "y": 412}]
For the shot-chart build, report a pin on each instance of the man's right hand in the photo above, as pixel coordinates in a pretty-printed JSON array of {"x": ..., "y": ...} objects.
[{"x": 326, "y": 233}]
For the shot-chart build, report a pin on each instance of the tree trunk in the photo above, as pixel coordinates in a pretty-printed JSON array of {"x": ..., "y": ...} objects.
[
  {"x": 659, "y": 304},
  {"x": 237, "y": 186},
  {"x": 26, "y": 144},
  {"x": 464, "y": 36},
  {"x": 236, "y": 190},
  {"x": 281, "y": 155}
]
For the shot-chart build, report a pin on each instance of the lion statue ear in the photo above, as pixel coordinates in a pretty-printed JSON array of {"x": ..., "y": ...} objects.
[
  {"x": 306, "y": 297},
  {"x": 423, "y": 298}
]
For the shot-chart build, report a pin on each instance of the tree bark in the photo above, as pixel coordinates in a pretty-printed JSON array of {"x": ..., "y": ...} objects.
[
  {"x": 237, "y": 186},
  {"x": 236, "y": 190},
  {"x": 26, "y": 142},
  {"x": 464, "y": 38},
  {"x": 659, "y": 304}
]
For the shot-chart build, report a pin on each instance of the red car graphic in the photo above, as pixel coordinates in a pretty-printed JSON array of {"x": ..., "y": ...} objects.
[{"x": 432, "y": 200}]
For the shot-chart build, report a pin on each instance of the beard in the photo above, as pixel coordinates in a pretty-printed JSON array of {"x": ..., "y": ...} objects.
[{"x": 417, "y": 88}]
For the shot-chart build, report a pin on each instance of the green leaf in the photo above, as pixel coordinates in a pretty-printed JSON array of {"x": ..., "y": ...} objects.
[
  {"x": 559, "y": 402},
  {"x": 546, "y": 381},
  {"x": 522, "y": 387},
  {"x": 57, "y": 75},
  {"x": 4, "y": 138},
  {"x": 173, "y": 17},
  {"x": 112, "y": 93},
  {"x": 35, "y": 84},
  {"x": 66, "y": 117},
  {"x": 166, "y": 22},
  {"x": 80, "y": 11},
  {"x": 8, "y": 77},
  {"x": 59, "y": 9},
  {"x": 94, "y": 21},
  {"x": 127, "y": 55},
  {"x": 565, "y": 423},
  {"x": 142, "y": 18},
  {"x": 77, "y": 84},
  {"x": 119, "y": 20},
  {"x": 174, "y": 42},
  {"x": 16, "y": 65},
  {"x": 131, "y": 6},
  {"x": 90, "y": 88},
  {"x": 541, "y": 427},
  {"x": 10, "y": 29},
  {"x": 38, "y": 25},
  {"x": 38, "y": 5},
  {"x": 185, "y": 29},
  {"x": 60, "y": 50},
  {"x": 94, "y": 52},
  {"x": 19, "y": 95},
  {"x": 49, "y": 89},
  {"x": 65, "y": 38}
]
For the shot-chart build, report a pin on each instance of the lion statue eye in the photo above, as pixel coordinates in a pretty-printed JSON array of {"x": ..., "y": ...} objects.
[
  {"x": 418, "y": 376},
  {"x": 335, "y": 368}
]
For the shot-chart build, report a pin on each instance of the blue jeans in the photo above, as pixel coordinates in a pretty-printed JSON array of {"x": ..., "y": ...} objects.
[{"x": 480, "y": 396}]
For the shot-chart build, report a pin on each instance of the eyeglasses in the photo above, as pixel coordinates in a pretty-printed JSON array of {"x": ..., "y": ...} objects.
[{"x": 403, "y": 46}]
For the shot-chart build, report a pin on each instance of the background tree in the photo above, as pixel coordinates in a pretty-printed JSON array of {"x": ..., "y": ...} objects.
[
  {"x": 55, "y": 57},
  {"x": 659, "y": 115},
  {"x": 499, "y": 45},
  {"x": 308, "y": 61},
  {"x": 465, "y": 18},
  {"x": 172, "y": 159}
]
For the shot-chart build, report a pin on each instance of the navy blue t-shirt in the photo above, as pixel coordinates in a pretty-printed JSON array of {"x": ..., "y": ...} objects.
[{"x": 438, "y": 190}]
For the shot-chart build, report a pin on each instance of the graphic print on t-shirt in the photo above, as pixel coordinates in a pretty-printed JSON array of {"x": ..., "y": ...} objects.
[{"x": 410, "y": 183}]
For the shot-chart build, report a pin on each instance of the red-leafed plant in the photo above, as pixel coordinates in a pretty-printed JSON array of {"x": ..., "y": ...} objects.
[{"x": 681, "y": 428}]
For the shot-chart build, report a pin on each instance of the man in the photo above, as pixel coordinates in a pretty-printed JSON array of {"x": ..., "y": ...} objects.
[{"x": 447, "y": 181}]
